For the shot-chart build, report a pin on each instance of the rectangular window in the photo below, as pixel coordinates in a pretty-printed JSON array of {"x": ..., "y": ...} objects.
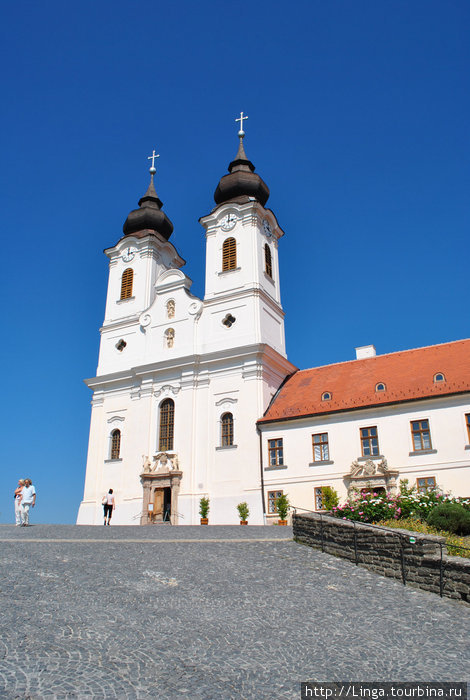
[
  {"x": 321, "y": 452},
  {"x": 276, "y": 453},
  {"x": 421, "y": 435},
  {"x": 272, "y": 498},
  {"x": 369, "y": 442},
  {"x": 426, "y": 483},
  {"x": 318, "y": 498},
  {"x": 467, "y": 421}
]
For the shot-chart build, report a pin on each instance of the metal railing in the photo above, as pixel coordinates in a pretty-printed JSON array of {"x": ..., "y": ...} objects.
[{"x": 403, "y": 538}]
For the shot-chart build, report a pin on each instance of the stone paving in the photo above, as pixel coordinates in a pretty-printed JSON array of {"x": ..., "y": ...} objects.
[{"x": 207, "y": 612}]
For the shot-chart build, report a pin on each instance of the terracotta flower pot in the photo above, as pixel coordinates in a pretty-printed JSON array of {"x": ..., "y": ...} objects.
[
  {"x": 204, "y": 521},
  {"x": 243, "y": 522},
  {"x": 282, "y": 522}
]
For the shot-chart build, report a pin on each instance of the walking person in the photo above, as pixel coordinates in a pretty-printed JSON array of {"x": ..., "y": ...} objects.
[
  {"x": 108, "y": 506},
  {"x": 18, "y": 491},
  {"x": 28, "y": 499}
]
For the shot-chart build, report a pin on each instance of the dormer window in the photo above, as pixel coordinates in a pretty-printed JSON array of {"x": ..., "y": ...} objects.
[
  {"x": 326, "y": 396},
  {"x": 380, "y": 387},
  {"x": 439, "y": 377}
]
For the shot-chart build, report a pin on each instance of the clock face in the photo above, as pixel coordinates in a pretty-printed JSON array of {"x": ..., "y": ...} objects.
[
  {"x": 128, "y": 254},
  {"x": 228, "y": 222},
  {"x": 267, "y": 228}
]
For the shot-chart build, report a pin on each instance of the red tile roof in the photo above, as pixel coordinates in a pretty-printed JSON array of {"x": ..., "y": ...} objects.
[{"x": 407, "y": 375}]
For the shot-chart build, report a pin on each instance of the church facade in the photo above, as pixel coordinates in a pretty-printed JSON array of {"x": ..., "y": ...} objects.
[
  {"x": 181, "y": 381},
  {"x": 196, "y": 397}
]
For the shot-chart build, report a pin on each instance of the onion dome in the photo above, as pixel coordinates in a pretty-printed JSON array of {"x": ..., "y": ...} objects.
[
  {"x": 242, "y": 184},
  {"x": 149, "y": 216}
]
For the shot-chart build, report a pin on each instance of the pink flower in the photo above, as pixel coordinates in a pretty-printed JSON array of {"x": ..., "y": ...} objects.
[{"x": 361, "y": 512}]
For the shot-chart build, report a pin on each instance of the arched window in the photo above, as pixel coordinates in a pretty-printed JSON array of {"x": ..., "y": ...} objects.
[
  {"x": 229, "y": 254},
  {"x": 326, "y": 396},
  {"x": 380, "y": 387},
  {"x": 126, "y": 283},
  {"x": 268, "y": 262},
  {"x": 167, "y": 425},
  {"x": 115, "y": 444},
  {"x": 227, "y": 430},
  {"x": 439, "y": 377}
]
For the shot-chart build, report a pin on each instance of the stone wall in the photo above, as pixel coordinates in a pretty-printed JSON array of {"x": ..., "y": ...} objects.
[{"x": 388, "y": 552}]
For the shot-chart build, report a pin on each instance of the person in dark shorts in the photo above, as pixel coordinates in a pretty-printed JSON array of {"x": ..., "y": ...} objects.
[{"x": 108, "y": 506}]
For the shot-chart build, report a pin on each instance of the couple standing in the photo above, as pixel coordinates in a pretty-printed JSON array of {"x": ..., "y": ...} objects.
[{"x": 25, "y": 497}]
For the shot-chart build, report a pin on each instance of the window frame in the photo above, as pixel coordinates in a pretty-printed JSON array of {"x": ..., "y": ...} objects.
[
  {"x": 425, "y": 488},
  {"x": 324, "y": 446},
  {"x": 420, "y": 432},
  {"x": 439, "y": 381},
  {"x": 317, "y": 492},
  {"x": 166, "y": 427},
  {"x": 268, "y": 261},
  {"x": 226, "y": 430},
  {"x": 368, "y": 439},
  {"x": 275, "y": 450},
  {"x": 127, "y": 284},
  {"x": 271, "y": 501},
  {"x": 229, "y": 254},
  {"x": 380, "y": 384},
  {"x": 115, "y": 444}
]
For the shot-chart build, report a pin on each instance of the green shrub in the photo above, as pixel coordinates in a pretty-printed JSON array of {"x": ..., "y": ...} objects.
[
  {"x": 456, "y": 546},
  {"x": 243, "y": 511},
  {"x": 204, "y": 507},
  {"x": 329, "y": 497},
  {"x": 282, "y": 506},
  {"x": 451, "y": 517}
]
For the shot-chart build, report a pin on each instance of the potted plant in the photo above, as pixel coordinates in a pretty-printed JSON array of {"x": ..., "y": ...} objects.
[
  {"x": 243, "y": 512},
  {"x": 282, "y": 507},
  {"x": 204, "y": 510}
]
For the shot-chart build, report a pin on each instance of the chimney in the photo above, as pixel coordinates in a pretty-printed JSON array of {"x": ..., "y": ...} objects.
[{"x": 365, "y": 351}]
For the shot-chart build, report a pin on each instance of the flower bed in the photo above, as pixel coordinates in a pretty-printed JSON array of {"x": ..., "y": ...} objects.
[{"x": 375, "y": 507}]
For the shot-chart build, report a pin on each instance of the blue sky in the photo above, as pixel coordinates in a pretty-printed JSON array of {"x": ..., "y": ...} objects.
[{"x": 358, "y": 122}]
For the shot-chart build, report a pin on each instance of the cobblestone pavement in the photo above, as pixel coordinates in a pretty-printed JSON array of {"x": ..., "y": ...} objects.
[{"x": 207, "y": 612}]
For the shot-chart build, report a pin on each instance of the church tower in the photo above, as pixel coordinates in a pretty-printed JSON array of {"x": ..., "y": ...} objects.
[{"x": 182, "y": 381}]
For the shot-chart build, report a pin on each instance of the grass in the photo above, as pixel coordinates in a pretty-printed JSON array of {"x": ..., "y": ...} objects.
[{"x": 453, "y": 542}]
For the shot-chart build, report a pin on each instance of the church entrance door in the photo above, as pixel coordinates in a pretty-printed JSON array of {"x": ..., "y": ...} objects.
[{"x": 162, "y": 504}]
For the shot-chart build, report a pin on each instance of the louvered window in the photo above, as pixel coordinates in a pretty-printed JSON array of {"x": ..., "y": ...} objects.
[
  {"x": 115, "y": 444},
  {"x": 227, "y": 429},
  {"x": 268, "y": 263},
  {"x": 229, "y": 254},
  {"x": 167, "y": 424},
  {"x": 126, "y": 283}
]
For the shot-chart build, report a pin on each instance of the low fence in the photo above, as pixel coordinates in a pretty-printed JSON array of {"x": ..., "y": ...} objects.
[{"x": 420, "y": 561}]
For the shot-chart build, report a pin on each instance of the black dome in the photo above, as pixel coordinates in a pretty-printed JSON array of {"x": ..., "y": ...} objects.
[
  {"x": 242, "y": 182},
  {"x": 149, "y": 216}
]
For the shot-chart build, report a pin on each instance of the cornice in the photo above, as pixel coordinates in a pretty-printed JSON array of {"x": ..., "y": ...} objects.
[
  {"x": 253, "y": 291},
  {"x": 196, "y": 364}
]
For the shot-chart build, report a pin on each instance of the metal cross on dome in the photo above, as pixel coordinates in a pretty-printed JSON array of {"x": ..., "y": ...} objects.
[
  {"x": 240, "y": 119},
  {"x": 152, "y": 158}
]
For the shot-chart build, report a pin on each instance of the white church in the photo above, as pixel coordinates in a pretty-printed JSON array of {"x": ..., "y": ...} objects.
[{"x": 196, "y": 397}]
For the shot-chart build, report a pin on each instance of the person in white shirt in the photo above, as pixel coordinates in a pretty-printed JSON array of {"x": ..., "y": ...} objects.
[
  {"x": 28, "y": 499},
  {"x": 18, "y": 491},
  {"x": 108, "y": 506}
]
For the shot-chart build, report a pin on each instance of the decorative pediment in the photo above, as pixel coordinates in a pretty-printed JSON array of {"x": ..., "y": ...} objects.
[
  {"x": 228, "y": 400},
  {"x": 370, "y": 474},
  {"x": 116, "y": 419},
  {"x": 166, "y": 390}
]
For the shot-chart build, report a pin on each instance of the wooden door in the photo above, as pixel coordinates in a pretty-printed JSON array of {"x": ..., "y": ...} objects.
[{"x": 158, "y": 504}]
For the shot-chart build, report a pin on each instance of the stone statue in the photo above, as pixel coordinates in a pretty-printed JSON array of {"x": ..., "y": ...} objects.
[
  {"x": 170, "y": 308},
  {"x": 382, "y": 467},
  {"x": 356, "y": 468},
  {"x": 146, "y": 464}
]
